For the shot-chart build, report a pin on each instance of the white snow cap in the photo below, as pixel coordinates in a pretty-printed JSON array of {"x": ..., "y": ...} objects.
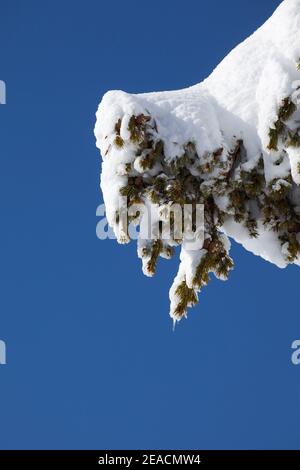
[{"x": 240, "y": 99}]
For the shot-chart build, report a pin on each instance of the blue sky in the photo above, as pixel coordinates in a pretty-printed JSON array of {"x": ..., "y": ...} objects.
[{"x": 92, "y": 359}]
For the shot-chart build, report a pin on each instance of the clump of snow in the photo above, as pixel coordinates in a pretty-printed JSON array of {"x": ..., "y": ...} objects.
[{"x": 239, "y": 102}]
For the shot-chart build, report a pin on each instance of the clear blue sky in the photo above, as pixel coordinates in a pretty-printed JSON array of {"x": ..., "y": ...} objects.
[{"x": 92, "y": 359}]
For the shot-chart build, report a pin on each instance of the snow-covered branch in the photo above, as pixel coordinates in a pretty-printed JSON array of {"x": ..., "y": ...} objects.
[{"x": 231, "y": 143}]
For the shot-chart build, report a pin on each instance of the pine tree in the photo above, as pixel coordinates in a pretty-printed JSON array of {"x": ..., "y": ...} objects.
[{"x": 247, "y": 190}]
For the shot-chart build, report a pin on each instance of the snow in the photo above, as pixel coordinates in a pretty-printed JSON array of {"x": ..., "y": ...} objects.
[{"x": 239, "y": 100}]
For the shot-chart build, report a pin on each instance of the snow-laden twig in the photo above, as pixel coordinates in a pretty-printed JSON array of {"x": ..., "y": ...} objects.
[{"x": 232, "y": 143}]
